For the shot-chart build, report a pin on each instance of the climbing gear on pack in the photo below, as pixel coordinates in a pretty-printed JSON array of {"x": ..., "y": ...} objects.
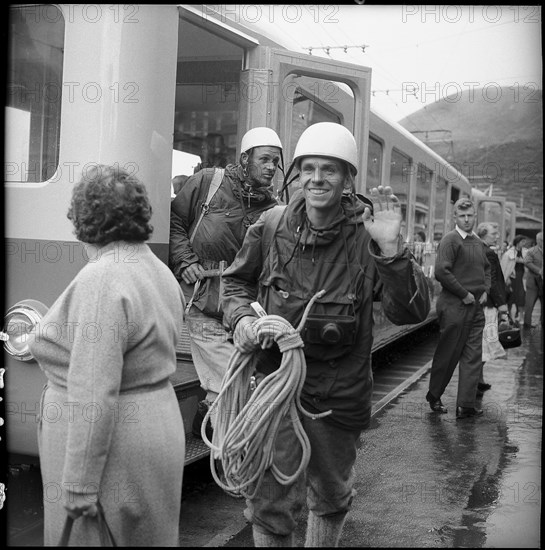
[
  {"x": 208, "y": 273},
  {"x": 249, "y": 419},
  {"x": 205, "y": 207}
]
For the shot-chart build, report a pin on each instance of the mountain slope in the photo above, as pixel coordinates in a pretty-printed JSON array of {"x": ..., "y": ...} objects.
[{"x": 492, "y": 135}]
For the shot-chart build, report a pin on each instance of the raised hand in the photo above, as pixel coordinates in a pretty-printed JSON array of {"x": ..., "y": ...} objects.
[{"x": 384, "y": 224}]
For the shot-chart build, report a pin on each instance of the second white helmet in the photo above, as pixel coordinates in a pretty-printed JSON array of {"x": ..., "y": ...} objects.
[
  {"x": 328, "y": 139},
  {"x": 259, "y": 137}
]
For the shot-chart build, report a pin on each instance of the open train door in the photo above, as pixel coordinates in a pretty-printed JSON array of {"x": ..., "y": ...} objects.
[{"x": 289, "y": 92}]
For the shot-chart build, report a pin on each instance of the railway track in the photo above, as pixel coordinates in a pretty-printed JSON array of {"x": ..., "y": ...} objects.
[{"x": 395, "y": 369}]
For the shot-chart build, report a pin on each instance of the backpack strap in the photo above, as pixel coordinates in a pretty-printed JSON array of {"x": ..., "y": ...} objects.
[
  {"x": 214, "y": 186},
  {"x": 272, "y": 219}
]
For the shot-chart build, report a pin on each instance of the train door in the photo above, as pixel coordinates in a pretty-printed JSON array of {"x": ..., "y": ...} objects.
[
  {"x": 210, "y": 56},
  {"x": 293, "y": 91},
  {"x": 229, "y": 81}
]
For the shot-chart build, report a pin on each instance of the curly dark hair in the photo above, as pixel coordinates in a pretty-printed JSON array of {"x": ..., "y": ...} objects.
[
  {"x": 519, "y": 238},
  {"x": 110, "y": 204}
]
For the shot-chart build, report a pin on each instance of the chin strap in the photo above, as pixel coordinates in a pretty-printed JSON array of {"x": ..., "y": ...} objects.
[{"x": 286, "y": 183}]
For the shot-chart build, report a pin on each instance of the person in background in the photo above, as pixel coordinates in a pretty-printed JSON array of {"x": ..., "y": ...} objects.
[
  {"x": 177, "y": 183},
  {"x": 464, "y": 273},
  {"x": 420, "y": 237},
  {"x": 534, "y": 280},
  {"x": 496, "y": 302},
  {"x": 244, "y": 192},
  {"x": 118, "y": 433},
  {"x": 326, "y": 238},
  {"x": 213, "y": 153},
  {"x": 512, "y": 264}
]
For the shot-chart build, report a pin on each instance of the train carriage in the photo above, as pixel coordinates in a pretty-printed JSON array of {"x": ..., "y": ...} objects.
[{"x": 146, "y": 87}]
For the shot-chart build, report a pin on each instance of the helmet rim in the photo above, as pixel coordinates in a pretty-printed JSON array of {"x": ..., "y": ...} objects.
[{"x": 328, "y": 140}]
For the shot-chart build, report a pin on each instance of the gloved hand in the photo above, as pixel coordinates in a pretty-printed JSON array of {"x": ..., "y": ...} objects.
[{"x": 245, "y": 336}]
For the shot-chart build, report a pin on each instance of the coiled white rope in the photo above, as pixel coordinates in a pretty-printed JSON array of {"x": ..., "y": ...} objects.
[{"x": 248, "y": 419}]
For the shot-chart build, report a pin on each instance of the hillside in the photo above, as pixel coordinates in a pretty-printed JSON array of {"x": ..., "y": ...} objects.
[{"x": 491, "y": 138}]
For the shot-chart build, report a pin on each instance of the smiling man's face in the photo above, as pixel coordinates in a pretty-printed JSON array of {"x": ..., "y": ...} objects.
[{"x": 322, "y": 180}]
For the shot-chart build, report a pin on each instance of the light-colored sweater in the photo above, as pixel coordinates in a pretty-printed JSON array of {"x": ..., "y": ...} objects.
[{"x": 114, "y": 329}]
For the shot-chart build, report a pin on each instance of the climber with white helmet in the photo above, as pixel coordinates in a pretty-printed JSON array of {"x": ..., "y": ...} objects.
[
  {"x": 326, "y": 238},
  {"x": 209, "y": 218}
]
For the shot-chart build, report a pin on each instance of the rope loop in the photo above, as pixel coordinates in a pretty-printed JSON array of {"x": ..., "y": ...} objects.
[
  {"x": 287, "y": 342},
  {"x": 247, "y": 421}
]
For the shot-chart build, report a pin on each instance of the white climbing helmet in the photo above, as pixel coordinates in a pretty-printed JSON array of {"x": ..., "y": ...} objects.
[
  {"x": 260, "y": 137},
  {"x": 327, "y": 139}
]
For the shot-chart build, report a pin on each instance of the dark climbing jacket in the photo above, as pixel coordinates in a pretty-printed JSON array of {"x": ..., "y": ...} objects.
[{"x": 282, "y": 264}]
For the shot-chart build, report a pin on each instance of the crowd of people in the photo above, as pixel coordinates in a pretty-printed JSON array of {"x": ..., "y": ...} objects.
[
  {"x": 232, "y": 244},
  {"x": 522, "y": 268}
]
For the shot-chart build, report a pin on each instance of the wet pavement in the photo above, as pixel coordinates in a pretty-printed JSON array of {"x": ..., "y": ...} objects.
[
  {"x": 431, "y": 481},
  {"x": 428, "y": 480}
]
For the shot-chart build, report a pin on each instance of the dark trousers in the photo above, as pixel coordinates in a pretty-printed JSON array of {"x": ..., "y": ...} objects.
[
  {"x": 532, "y": 296},
  {"x": 460, "y": 341}
]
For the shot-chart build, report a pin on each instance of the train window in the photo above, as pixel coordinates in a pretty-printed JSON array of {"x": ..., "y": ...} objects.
[
  {"x": 207, "y": 100},
  {"x": 34, "y": 93},
  {"x": 374, "y": 163},
  {"x": 510, "y": 221},
  {"x": 490, "y": 211},
  {"x": 400, "y": 179},
  {"x": 313, "y": 101},
  {"x": 454, "y": 195},
  {"x": 442, "y": 210},
  {"x": 423, "y": 193}
]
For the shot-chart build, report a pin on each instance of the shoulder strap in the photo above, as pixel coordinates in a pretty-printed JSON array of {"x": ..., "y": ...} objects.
[
  {"x": 272, "y": 220},
  {"x": 214, "y": 186}
]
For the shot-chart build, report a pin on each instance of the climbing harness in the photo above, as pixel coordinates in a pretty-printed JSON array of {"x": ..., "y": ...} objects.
[{"x": 249, "y": 416}]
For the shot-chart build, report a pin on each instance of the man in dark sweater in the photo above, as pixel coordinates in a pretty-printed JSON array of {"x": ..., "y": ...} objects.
[{"x": 463, "y": 270}]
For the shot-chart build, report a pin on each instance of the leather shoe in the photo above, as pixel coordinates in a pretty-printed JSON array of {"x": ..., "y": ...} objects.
[
  {"x": 483, "y": 387},
  {"x": 480, "y": 393},
  {"x": 467, "y": 412},
  {"x": 435, "y": 404}
]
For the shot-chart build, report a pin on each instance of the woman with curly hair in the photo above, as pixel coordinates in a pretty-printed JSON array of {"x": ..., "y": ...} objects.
[{"x": 110, "y": 429}]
